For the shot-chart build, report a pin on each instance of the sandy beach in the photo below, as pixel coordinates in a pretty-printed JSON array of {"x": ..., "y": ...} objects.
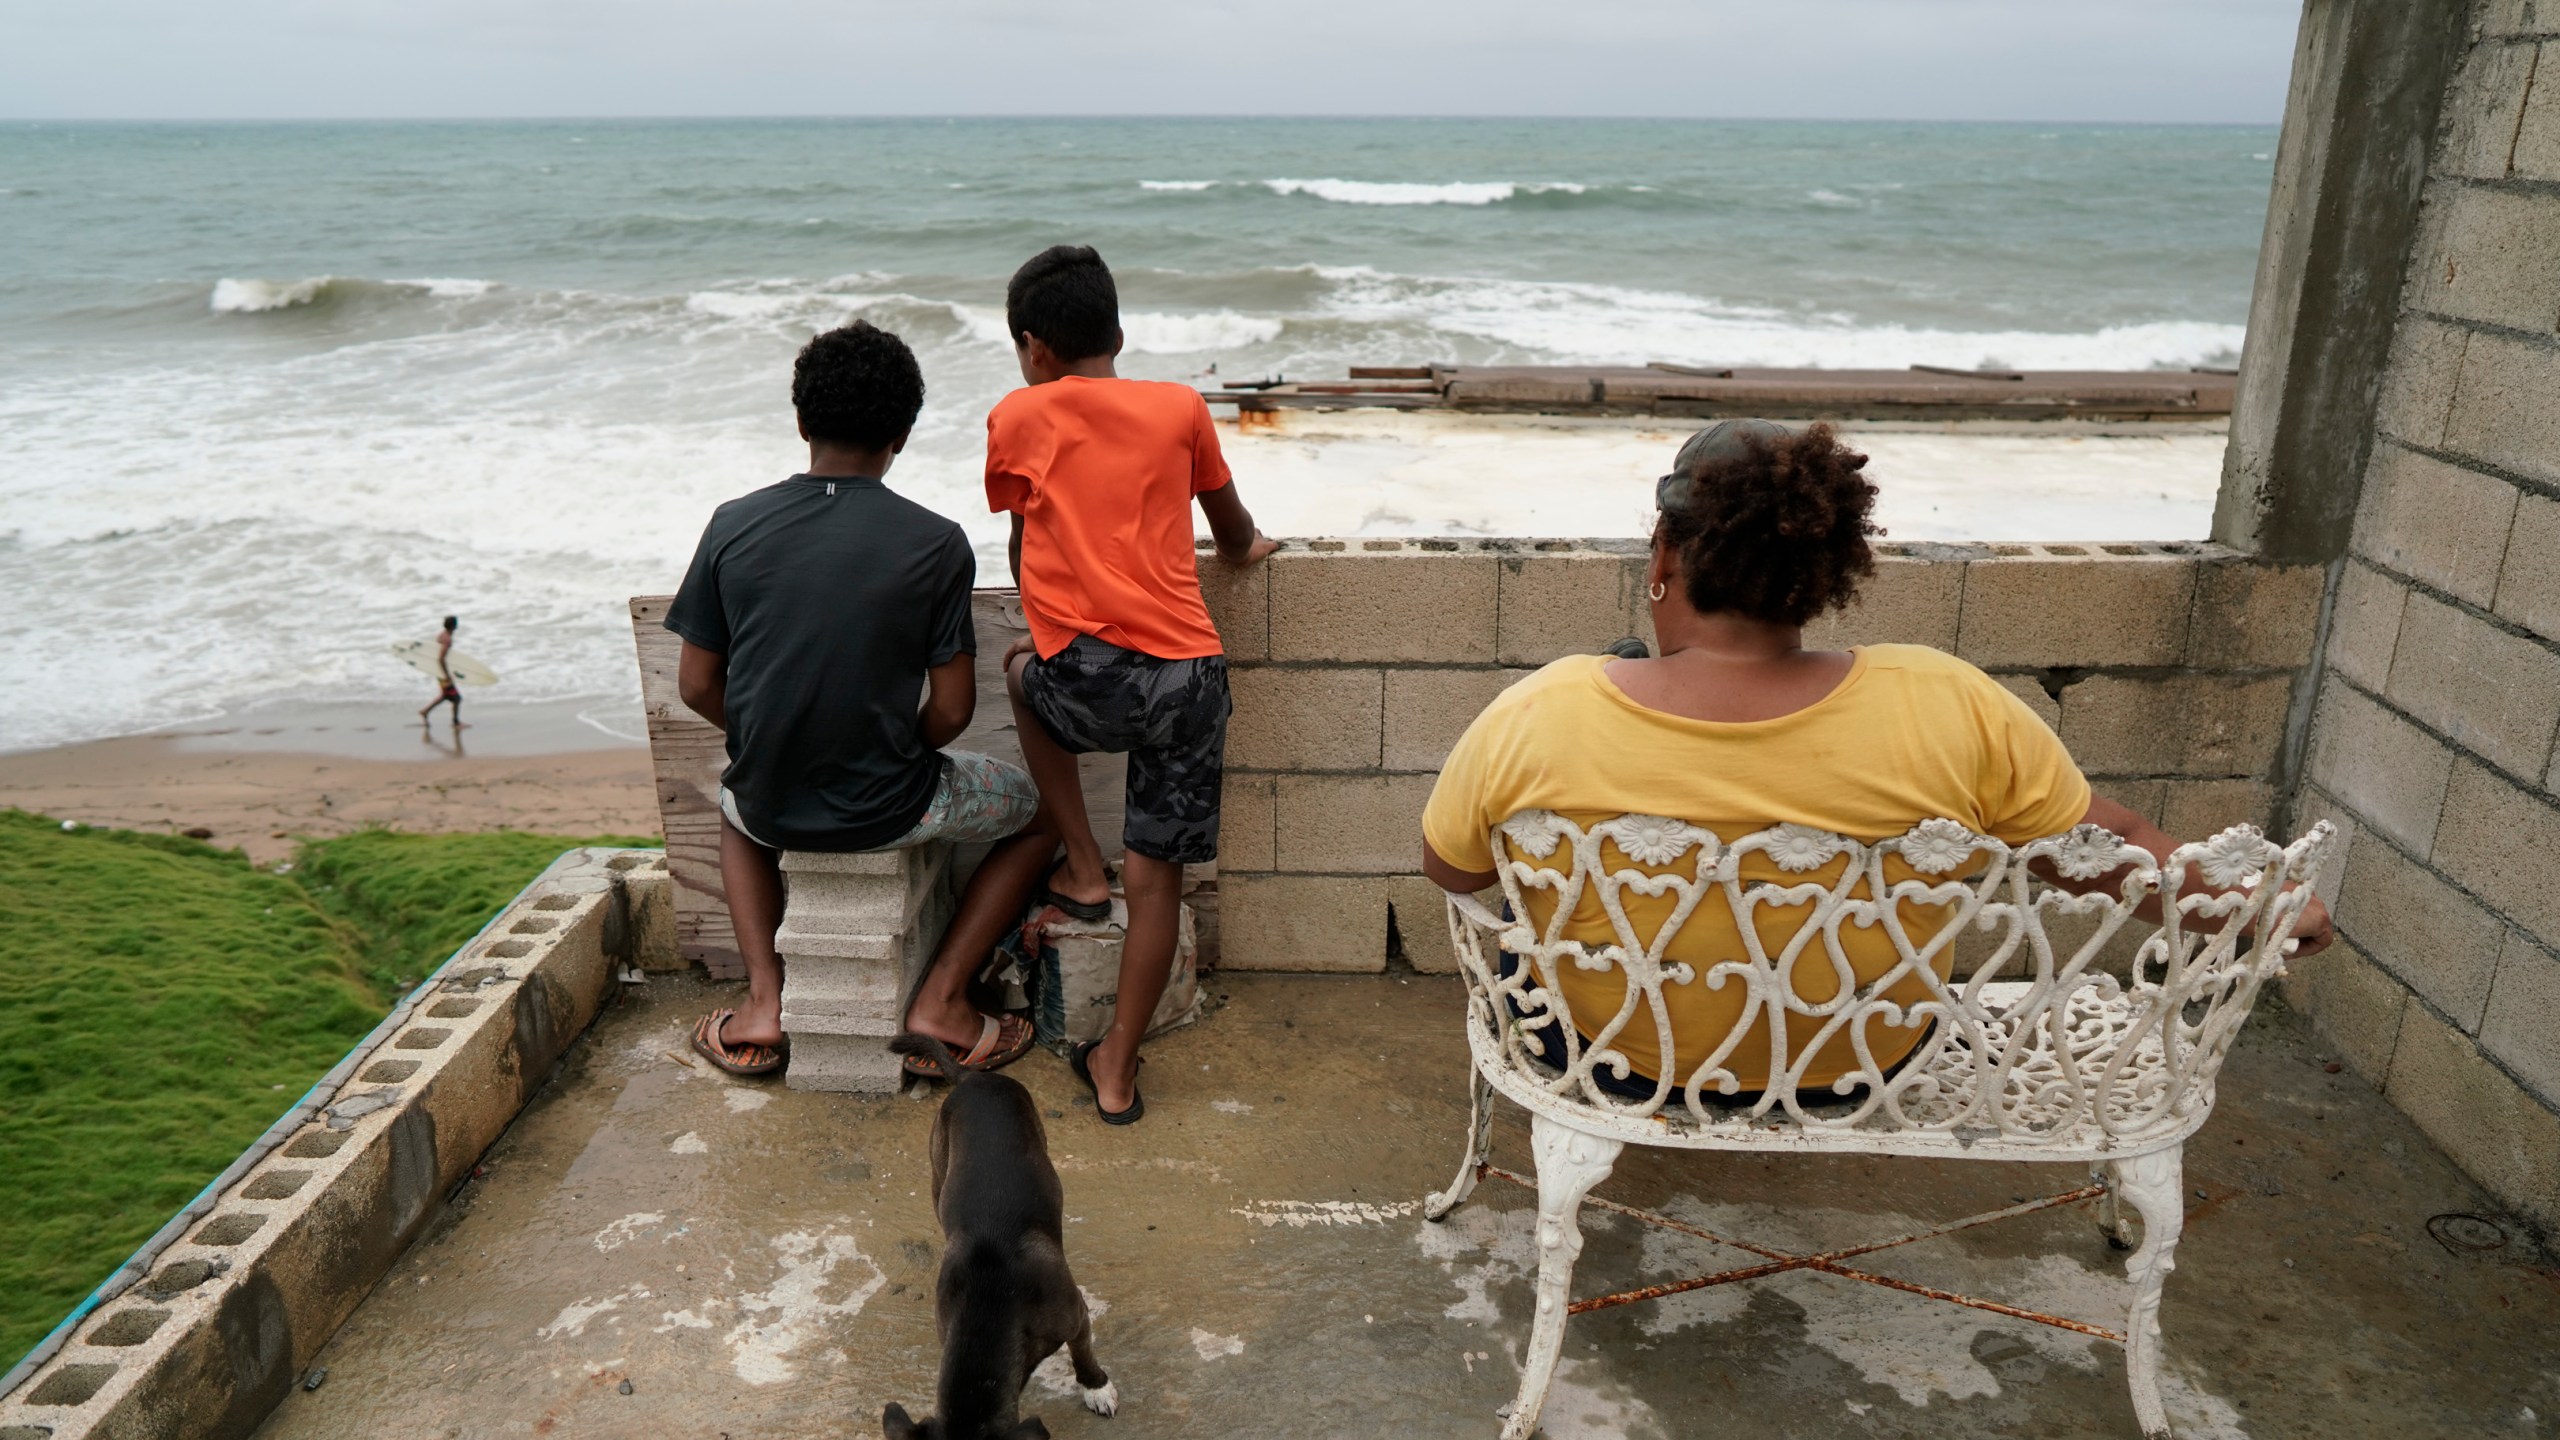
[{"x": 267, "y": 778}]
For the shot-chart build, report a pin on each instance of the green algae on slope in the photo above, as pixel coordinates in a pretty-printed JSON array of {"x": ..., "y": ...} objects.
[{"x": 162, "y": 1002}]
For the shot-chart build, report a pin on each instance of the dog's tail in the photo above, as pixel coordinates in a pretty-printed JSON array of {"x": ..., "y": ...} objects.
[{"x": 929, "y": 1050}]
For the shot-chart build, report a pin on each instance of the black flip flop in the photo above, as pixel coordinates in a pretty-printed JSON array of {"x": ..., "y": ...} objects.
[
  {"x": 1089, "y": 911},
  {"x": 1078, "y": 1059}
]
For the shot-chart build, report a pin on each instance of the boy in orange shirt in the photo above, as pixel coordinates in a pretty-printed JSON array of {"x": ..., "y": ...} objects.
[{"x": 1099, "y": 474}]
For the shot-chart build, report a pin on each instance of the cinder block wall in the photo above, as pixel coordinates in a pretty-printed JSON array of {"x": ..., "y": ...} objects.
[
  {"x": 2168, "y": 669},
  {"x": 2432, "y": 740}
]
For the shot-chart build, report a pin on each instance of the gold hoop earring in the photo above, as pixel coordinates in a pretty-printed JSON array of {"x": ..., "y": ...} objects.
[{"x": 1656, "y": 593}]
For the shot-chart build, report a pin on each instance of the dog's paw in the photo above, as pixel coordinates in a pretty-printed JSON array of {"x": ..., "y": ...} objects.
[{"x": 1104, "y": 1400}]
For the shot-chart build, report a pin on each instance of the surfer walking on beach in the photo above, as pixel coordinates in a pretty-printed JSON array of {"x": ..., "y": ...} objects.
[{"x": 450, "y": 693}]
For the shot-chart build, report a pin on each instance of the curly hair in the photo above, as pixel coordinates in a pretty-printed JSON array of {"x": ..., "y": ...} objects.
[
  {"x": 858, "y": 386},
  {"x": 1777, "y": 532}
]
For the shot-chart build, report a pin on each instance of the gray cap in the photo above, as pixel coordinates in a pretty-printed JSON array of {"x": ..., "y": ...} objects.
[{"x": 1723, "y": 441}]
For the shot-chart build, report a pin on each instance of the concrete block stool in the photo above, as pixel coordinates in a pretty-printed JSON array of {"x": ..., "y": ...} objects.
[{"x": 857, "y": 932}]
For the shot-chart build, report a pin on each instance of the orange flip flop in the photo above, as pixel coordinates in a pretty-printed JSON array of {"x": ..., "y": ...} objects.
[{"x": 748, "y": 1061}]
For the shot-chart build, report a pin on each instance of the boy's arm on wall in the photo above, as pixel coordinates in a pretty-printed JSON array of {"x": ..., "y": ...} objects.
[
  {"x": 1231, "y": 526},
  {"x": 702, "y": 683},
  {"x": 1013, "y": 550},
  {"x": 950, "y": 701}
]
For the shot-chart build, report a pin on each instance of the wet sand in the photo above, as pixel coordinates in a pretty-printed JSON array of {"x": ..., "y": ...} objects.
[{"x": 264, "y": 779}]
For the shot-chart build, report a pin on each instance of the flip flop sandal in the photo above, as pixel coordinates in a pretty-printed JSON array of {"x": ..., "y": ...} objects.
[
  {"x": 1000, "y": 1043},
  {"x": 1080, "y": 1060},
  {"x": 1089, "y": 911},
  {"x": 748, "y": 1061}
]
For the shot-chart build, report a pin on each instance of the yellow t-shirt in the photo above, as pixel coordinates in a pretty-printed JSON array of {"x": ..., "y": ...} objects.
[{"x": 1912, "y": 733}]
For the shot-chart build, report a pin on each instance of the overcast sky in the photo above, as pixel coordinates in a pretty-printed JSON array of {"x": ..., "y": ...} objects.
[{"x": 2143, "y": 60}]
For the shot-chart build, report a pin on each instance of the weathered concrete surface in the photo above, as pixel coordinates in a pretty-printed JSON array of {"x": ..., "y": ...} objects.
[
  {"x": 758, "y": 1262},
  {"x": 2368, "y": 84}
]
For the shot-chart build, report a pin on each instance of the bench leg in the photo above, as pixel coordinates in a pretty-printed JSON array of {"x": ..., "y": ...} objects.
[
  {"x": 2154, "y": 1185},
  {"x": 1438, "y": 1204},
  {"x": 1569, "y": 1164}
]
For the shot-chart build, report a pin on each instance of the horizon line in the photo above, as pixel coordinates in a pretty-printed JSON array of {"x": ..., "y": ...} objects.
[{"x": 1101, "y": 117}]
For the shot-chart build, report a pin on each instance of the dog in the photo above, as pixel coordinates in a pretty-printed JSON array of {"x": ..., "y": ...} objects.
[{"x": 1004, "y": 1300}]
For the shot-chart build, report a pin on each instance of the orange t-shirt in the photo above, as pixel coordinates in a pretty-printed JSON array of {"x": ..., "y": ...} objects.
[{"x": 1102, "y": 472}]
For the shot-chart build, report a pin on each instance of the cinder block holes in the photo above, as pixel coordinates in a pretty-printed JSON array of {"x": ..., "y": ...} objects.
[
  {"x": 72, "y": 1385},
  {"x": 129, "y": 1327},
  {"x": 533, "y": 925},
  {"x": 316, "y": 1144},
  {"x": 276, "y": 1185},
  {"x": 509, "y": 950},
  {"x": 452, "y": 1009},
  {"x": 556, "y": 902},
  {"x": 425, "y": 1037},
  {"x": 388, "y": 1072},
  {"x": 230, "y": 1229},
  {"x": 628, "y": 862}
]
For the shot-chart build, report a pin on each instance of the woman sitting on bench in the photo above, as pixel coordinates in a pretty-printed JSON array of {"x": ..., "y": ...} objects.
[{"x": 1736, "y": 727}]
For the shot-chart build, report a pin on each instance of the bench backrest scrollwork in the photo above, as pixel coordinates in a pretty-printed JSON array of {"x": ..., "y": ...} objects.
[{"x": 2033, "y": 1042}]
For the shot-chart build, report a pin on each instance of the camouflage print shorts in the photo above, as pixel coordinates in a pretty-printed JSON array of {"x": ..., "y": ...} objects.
[{"x": 1169, "y": 716}]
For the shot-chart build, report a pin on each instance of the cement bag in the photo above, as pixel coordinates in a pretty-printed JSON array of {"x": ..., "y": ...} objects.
[{"x": 1070, "y": 973}]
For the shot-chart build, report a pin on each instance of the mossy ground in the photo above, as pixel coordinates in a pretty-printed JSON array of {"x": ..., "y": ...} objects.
[{"x": 162, "y": 1002}]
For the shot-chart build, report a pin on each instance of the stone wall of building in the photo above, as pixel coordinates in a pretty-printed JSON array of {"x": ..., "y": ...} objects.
[
  {"x": 2169, "y": 670},
  {"x": 2432, "y": 739}
]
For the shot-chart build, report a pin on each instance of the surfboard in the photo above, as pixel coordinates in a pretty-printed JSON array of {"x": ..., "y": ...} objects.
[{"x": 420, "y": 655}]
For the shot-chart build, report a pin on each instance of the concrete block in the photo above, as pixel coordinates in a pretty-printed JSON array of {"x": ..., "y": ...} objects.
[
  {"x": 2529, "y": 581},
  {"x": 843, "y": 1065},
  {"x": 2536, "y": 153},
  {"x": 1304, "y": 922},
  {"x": 2353, "y": 1003},
  {"x": 2487, "y": 1123},
  {"x": 2032, "y": 691},
  {"x": 2418, "y": 383},
  {"x": 2483, "y": 110},
  {"x": 2489, "y": 255},
  {"x": 2194, "y": 809},
  {"x": 1246, "y": 820},
  {"x": 2364, "y": 624},
  {"x": 825, "y": 995},
  {"x": 2312, "y": 807},
  {"x": 2507, "y": 18},
  {"x": 2443, "y": 524},
  {"x": 1577, "y": 602},
  {"x": 1305, "y": 718},
  {"x": 2185, "y": 724},
  {"x": 1422, "y": 923},
  {"x": 2390, "y": 772},
  {"x": 1351, "y": 824},
  {"x": 2522, "y": 1027},
  {"x": 2043, "y": 611},
  {"x": 2491, "y": 692},
  {"x": 2438, "y": 941},
  {"x": 1908, "y": 601},
  {"x": 1358, "y": 607},
  {"x": 2254, "y": 617},
  {"x": 1239, "y": 604},
  {"x": 2502, "y": 843},
  {"x": 2503, "y": 406},
  {"x": 1427, "y": 710},
  {"x": 2141, "y": 796}
]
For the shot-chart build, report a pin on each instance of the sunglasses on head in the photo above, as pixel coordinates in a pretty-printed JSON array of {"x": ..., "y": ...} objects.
[{"x": 1724, "y": 440}]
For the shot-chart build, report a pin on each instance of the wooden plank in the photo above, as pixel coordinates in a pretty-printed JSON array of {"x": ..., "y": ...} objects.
[{"x": 688, "y": 754}]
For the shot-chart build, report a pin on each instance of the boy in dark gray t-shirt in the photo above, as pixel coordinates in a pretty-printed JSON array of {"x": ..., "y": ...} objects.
[{"x": 826, "y": 629}]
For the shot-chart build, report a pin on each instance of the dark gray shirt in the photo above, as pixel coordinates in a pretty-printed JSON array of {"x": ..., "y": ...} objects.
[{"x": 831, "y": 598}]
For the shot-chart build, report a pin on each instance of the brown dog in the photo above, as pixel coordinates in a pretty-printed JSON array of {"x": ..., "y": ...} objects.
[{"x": 1004, "y": 1301}]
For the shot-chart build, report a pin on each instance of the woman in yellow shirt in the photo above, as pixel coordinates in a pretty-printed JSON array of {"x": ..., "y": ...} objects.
[{"x": 1737, "y": 727}]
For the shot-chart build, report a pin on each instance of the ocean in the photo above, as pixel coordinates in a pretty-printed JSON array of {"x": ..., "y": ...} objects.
[{"x": 274, "y": 396}]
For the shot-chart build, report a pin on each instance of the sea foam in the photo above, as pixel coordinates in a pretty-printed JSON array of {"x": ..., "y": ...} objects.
[
  {"x": 248, "y": 297},
  {"x": 1455, "y": 192}
]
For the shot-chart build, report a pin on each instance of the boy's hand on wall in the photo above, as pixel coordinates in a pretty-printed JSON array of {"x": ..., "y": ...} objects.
[{"x": 1260, "y": 550}]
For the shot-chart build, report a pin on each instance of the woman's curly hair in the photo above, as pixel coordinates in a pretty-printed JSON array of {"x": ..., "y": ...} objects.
[{"x": 1778, "y": 533}]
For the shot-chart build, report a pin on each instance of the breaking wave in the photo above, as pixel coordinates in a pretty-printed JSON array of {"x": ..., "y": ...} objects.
[{"x": 1456, "y": 192}]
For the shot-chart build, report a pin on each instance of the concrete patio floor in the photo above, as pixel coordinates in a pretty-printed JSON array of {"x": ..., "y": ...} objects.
[{"x": 756, "y": 1262}]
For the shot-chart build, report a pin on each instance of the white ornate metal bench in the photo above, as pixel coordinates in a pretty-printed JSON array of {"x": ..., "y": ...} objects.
[{"x": 2034, "y": 1051}]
